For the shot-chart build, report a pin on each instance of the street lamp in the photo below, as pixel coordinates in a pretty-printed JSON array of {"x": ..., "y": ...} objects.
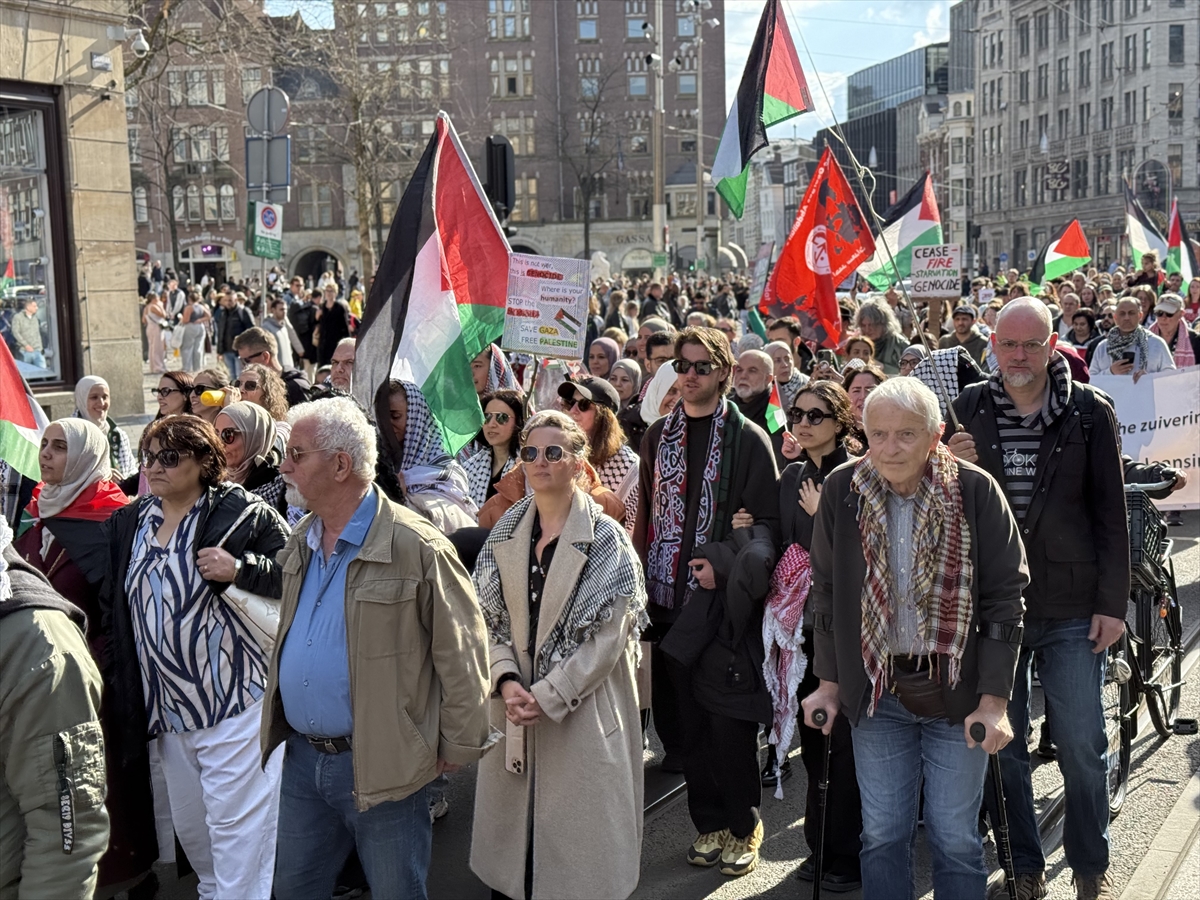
[{"x": 695, "y": 9}]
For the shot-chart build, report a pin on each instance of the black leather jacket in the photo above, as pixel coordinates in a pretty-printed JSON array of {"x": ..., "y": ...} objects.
[{"x": 256, "y": 542}]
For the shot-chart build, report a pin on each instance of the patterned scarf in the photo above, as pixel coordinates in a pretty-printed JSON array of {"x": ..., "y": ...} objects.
[
  {"x": 1059, "y": 373},
  {"x": 425, "y": 465},
  {"x": 942, "y": 568},
  {"x": 669, "y": 504},
  {"x": 611, "y": 571},
  {"x": 784, "y": 664},
  {"x": 1183, "y": 353},
  {"x": 1119, "y": 343}
]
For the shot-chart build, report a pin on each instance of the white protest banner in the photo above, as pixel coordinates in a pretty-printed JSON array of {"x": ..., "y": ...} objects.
[
  {"x": 1159, "y": 418},
  {"x": 547, "y": 309}
]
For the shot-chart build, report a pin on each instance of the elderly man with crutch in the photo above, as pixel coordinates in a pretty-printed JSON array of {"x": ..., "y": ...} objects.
[{"x": 916, "y": 637}]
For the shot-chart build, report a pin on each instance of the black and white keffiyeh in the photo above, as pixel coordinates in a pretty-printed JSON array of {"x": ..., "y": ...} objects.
[
  {"x": 425, "y": 465},
  {"x": 939, "y": 373},
  {"x": 1119, "y": 343},
  {"x": 478, "y": 467},
  {"x": 620, "y": 475},
  {"x": 612, "y": 570}
]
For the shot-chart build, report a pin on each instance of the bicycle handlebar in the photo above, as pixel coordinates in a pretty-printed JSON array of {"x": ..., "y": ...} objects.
[{"x": 1150, "y": 488}]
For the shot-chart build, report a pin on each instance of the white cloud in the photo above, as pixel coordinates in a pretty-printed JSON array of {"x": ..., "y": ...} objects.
[{"x": 936, "y": 28}]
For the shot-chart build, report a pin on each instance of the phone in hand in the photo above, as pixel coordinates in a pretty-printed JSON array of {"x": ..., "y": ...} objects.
[
  {"x": 514, "y": 748},
  {"x": 1128, "y": 356}
]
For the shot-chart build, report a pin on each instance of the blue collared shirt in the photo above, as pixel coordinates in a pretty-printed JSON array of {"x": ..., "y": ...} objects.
[{"x": 314, "y": 663}]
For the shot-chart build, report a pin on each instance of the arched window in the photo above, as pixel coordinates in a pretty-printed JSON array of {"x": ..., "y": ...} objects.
[
  {"x": 193, "y": 203},
  {"x": 177, "y": 203},
  {"x": 141, "y": 210},
  {"x": 957, "y": 109},
  {"x": 210, "y": 203},
  {"x": 228, "y": 204}
]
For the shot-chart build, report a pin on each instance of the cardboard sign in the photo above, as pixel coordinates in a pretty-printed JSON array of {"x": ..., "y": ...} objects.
[
  {"x": 937, "y": 271},
  {"x": 547, "y": 308}
]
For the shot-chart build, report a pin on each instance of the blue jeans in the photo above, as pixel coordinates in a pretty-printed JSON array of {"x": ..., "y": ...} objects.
[
  {"x": 318, "y": 826},
  {"x": 1072, "y": 677},
  {"x": 233, "y": 363},
  {"x": 892, "y": 750},
  {"x": 34, "y": 358}
]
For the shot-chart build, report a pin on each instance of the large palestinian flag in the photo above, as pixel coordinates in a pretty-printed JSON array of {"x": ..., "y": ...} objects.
[
  {"x": 1181, "y": 256},
  {"x": 1067, "y": 251},
  {"x": 438, "y": 296},
  {"x": 21, "y": 419},
  {"x": 914, "y": 221},
  {"x": 773, "y": 90},
  {"x": 1143, "y": 233}
]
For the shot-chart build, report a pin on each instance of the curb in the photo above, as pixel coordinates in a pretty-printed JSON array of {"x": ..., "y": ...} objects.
[{"x": 1169, "y": 849}]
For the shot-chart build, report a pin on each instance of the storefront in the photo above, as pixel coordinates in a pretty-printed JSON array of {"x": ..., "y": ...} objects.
[{"x": 68, "y": 288}]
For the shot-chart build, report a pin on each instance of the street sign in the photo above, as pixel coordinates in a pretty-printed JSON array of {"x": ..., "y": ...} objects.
[
  {"x": 267, "y": 111},
  {"x": 1031, "y": 255},
  {"x": 264, "y": 229},
  {"x": 702, "y": 263},
  {"x": 659, "y": 260},
  {"x": 1003, "y": 258},
  {"x": 269, "y": 164}
]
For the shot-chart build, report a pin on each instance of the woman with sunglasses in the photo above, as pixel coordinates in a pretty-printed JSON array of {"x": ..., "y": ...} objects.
[
  {"x": 181, "y": 667},
  {"x": 264, "y": 387},
  {"x": 562, "y": 595},
  {"x": 66, "y": 543},
  {"x": 252, "y": 455},
  {"x": 174, "y": 394},
  {"x": 592, "y": 403},
  {"x": 821, "y": 424},
  {"x": 503, "y": 419}
]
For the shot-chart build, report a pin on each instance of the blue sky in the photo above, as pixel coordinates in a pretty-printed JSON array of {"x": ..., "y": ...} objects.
[{"x": 843, "y": 35}]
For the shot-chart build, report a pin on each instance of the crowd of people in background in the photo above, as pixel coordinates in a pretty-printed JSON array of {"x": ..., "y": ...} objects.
[{"x": 280, "y": 625}]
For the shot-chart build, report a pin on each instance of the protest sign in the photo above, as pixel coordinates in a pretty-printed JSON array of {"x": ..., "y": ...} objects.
[
  {"x": 1159, "y": 418},
  {"x": 936, "y": 276},
  {"x": 760, "y": 267},
  {"x": 547, "y": 308}
]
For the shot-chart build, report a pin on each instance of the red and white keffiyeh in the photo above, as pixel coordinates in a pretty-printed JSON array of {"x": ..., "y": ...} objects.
[{"x": 785, "y": 665}]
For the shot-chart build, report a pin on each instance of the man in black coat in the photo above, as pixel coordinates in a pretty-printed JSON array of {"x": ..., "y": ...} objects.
[
  {"x": 701, "y": 464},
  {"x": 1053, "y": 446}
]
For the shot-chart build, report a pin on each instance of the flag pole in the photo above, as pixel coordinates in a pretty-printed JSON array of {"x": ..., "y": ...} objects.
[{"x": 947, "y": 399}]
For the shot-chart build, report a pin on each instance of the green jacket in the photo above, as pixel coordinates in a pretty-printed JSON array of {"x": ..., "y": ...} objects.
[
  {"x": 27, "y": 331},
  {"x": 53, "y": 825},
  {"x": 418, "y": 650}
]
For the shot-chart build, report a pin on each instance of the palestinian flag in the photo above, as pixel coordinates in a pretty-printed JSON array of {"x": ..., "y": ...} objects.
[
  {"x": 756, "y": 323},
  {"x": 21, "y": 419},
  {"x": 8, "y": 277},
  {"x": 914, "y": 221},
  {"x": 1181, "y": 256},
  {"x": 1064, "y": 253},
  {"x": 439, "y": 292},
  {"x": 773, "y": 90},
  {"x": 775, "y": 417},
  {"x": 1143, "y": 233}
]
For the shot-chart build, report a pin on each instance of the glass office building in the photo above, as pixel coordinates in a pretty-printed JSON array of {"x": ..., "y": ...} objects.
[{"x": 919, "y": 72}]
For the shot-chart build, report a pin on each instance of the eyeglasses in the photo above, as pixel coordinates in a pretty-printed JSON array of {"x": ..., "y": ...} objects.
[
  {"x": 500, "y": 418},
  {"x": 703, "y": 367},
  {"x": 247, "y": 359},
  {"x": 294, "y": 453},
  {"x": 583, "y": 403},
  {"x": 167, "y": 457},
  {"x": 552, "y": 453},
  {"x": 1031, "y": 347},
  {"x": 229, "y": 434},
  {"x": 246, "y": 385},
  {"x": 199, "y": 389},
  {"x": 166, "y": 392},
  {"x": 815, "y": 416},
  {"x": 1163, "y": 315}
]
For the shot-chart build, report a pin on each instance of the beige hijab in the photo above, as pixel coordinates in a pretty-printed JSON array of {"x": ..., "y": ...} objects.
[
  {"x": 258, "y": 436},
  {"x": 87, "y": 463}
]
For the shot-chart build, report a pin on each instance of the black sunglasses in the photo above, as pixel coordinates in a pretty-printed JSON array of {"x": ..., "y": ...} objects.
[
  {"x": 1162, "y": 314},
  {"x": 703, "y": 367},
  {"x": 168, "y": 457},
  {"x": 246, "y": 385},
  {"x": 246, "y": 359},
  {"x": 583, "y": 403},
  {"x": 501, "y": 418},
  {"x": 553, "y": 453},
  {"x": 199, "y": 389},
  {"x": 166, "y": 392},
  {"x": 815, "y": 416},
  {"x": 228, "y": 434}
]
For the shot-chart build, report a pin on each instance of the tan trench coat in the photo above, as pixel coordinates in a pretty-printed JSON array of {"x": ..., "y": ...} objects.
[{"x": 583, "y": 781}]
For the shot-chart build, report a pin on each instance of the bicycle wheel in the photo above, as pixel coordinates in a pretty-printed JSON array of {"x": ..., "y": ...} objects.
[
  {"x": 1118, "y": 705},
  {"x": 1162, "y": 634}
]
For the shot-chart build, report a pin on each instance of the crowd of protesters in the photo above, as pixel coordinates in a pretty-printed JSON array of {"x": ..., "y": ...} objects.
[{"x": 278, "y": 627}]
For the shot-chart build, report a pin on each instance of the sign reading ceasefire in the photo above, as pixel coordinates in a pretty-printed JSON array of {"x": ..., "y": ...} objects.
[{"x": 547, "y": 308}]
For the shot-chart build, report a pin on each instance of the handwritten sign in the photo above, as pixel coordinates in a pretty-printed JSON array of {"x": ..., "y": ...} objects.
[
  {"x": 547, "y": 308},
  {"x": 937, "y": 271}
]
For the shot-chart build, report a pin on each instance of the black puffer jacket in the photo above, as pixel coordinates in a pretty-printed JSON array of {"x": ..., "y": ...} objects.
[{"x": 256, "y": 542}]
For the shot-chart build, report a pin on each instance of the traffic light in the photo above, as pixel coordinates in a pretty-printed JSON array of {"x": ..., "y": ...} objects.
[{"x": 501, "y": 189}]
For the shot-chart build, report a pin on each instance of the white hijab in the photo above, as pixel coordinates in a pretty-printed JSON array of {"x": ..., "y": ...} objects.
[
  {"x": 87, "y": 463},
  {"x": 659, "y": 385},
  {"x": 84, "y": 387}
]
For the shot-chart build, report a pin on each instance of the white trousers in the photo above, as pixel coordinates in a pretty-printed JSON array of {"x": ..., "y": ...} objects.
[{"x": 224, "y": 806}]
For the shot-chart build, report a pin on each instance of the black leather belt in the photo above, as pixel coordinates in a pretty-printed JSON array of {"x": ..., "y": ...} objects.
[
  {"x": 911, "y": 663},
  {"x": 329, "y": 745}
]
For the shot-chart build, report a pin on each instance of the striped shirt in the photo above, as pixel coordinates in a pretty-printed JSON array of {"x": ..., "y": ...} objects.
[{"x": 904, "y": 634}]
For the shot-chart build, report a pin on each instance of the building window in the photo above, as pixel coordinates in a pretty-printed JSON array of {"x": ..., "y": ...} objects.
[
  {"x": 587, "y": 29},
  {"x": 1064, "y": 124},
  {"x": 1175, "y": 100},
  {"x": 1106, "y": 12},
  {"x": 316, "y": 206},
  {"x": 1146, "y": 35},
  {"x": 1103, "y": 173},
  {"x": 1020, "y": 197},
  {"x": 507, "y": 20},
  {"x": 1083, "y": 13},
  {"x": 519, "y": 129},
  {"x": 1129, "y": 108},
  {"x": 1130, "y": 52},
  {"x": 1175, "y": 45},
  {"x": 1043, "y": 81},
  {"x": 956, "y": 192},
  {"x": 135, "y": 150},
  {"x": 589, "y": 87},
  {"x": 1043, "y": 128},
  {"x": 633, "y": 27},
  {"x": 687, "y": 145},
  {"x": 197, "y": 87},
  {"x": 1084, "y": 75},
  {"x": 638, "y": 86},
  {"x": 1041, "y": 30},
  {"x": 1079, "y": 180},
  {"x": 1146, "y": 104},
  {"x": 687, "y": 83},
  {"x": 218, "y": 87},
  {"x": 201, "y": 145},
  {"x": 1130, "y": 9},
  {"x": 1023, "y": 134},
  {"x": 179, "y": 145},
  {"x": 1064, "y": 75},
  {"x": 1039, "y": 185},
  {"x": 251, "y": 82},
  {"x": 511, "y": 76},
  {"x": 193, "y": 203},
  {"x": 174, "y": 88},
  {"x": 1023, "y": 86},
  {"x": 956, "y": 150},
  {"x": 1175, "y": 164},
  {"x": 1063, "y": 22},
  {"x": 1085, "y": 118},
  {"x": 1023, "y": 37},
  {"x": 220, "y": 139},
  {"x": 179, "y": 209},
  {"x": 210, "y": 203},
  {"x": 228, "y": 203},
  {"x": 685, "y": 26},
  {"x": 1106, "y": 61},
  {"x": 525, "y": 206},
  {"x": 141, "y": 208},
  {"x": 1107, "y": 108}
]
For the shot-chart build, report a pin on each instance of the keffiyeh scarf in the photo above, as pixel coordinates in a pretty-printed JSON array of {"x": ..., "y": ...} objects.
[
  {"x": 1059, "y": 371},
  {"x": 669, "y": 504},
  {"x": 939, "y": 373},
  {"x": 1119, "y": 343},
  {"x": 425, "y": 465},
  {"x": 942, "y": 568},
  {"x": 611, "y": 571},
  {"x": 500, "y": 373},
  {"x": 785, "y": 665},
  {"x": 1183, "y": 354}
]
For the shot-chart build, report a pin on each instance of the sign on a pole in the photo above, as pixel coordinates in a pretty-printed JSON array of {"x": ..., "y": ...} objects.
[
  {"x": 986, "y": 296},
  {"x": 264, "y": 229},
  {"x": 267, "y": 111},
  {"x": 1003, "y": 259},
  {"x": 269, "y": 163},
  {"x": 1031, "y": 255},
  {"x": 760, "y": 267},
  {"x": 659, "y": 260},
  {"x": 937, "y": 271},
  {"x": 547, "y": 308}
]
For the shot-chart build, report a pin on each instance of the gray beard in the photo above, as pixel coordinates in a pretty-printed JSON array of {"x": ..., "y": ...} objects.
[
  {"x": 745, "y": 394},
  {"x": 1019, "y": 379},
  {"x": 295, "y": 498}
]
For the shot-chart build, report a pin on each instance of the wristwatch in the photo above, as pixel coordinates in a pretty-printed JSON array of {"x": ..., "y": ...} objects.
[{"x": 237, "y": 568}]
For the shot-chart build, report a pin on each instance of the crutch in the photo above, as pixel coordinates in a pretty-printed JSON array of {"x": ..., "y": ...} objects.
[
  {"x": 978, "y": 734},
  {"x": 820, "y": 717}
]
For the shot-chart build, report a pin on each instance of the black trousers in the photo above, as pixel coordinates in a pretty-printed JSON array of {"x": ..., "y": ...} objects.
[
  {"x": 720, "y": 762},
  {"x": 843, "y": 818},
  {"x": 663, "y": 701}
]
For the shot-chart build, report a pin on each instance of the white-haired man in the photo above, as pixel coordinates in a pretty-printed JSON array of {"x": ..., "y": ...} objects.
[
  {"x": 916, "y": 638},
  {"x": 380, "y": 678},
  {"x": 1053, "y": 445},
  {"x": 752, "y": 379}
]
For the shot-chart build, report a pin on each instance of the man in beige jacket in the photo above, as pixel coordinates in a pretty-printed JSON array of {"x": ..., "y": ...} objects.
[{"x": 379, "y": 680}]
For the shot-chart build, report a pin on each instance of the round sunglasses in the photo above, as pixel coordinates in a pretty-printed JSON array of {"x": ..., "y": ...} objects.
[
  {"x": 500, "y": 418},
  {"x": 582, "y": 403},
  {"x": 553, "y": 453},
  {"x": 228, "y": 435},
  {"x": 246, "y": 385},
  {"x": 815, "y": 416}
]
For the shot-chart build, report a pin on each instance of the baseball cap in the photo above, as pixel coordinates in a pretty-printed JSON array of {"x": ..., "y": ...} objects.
[
  {"x": 598, "y": 390},
  {"x": 966, "y": 310},
  {"x": 1169, "y": 303}
]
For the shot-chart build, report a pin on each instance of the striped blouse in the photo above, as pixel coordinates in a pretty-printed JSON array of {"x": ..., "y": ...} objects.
[{"x": 199, "y": 665}]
